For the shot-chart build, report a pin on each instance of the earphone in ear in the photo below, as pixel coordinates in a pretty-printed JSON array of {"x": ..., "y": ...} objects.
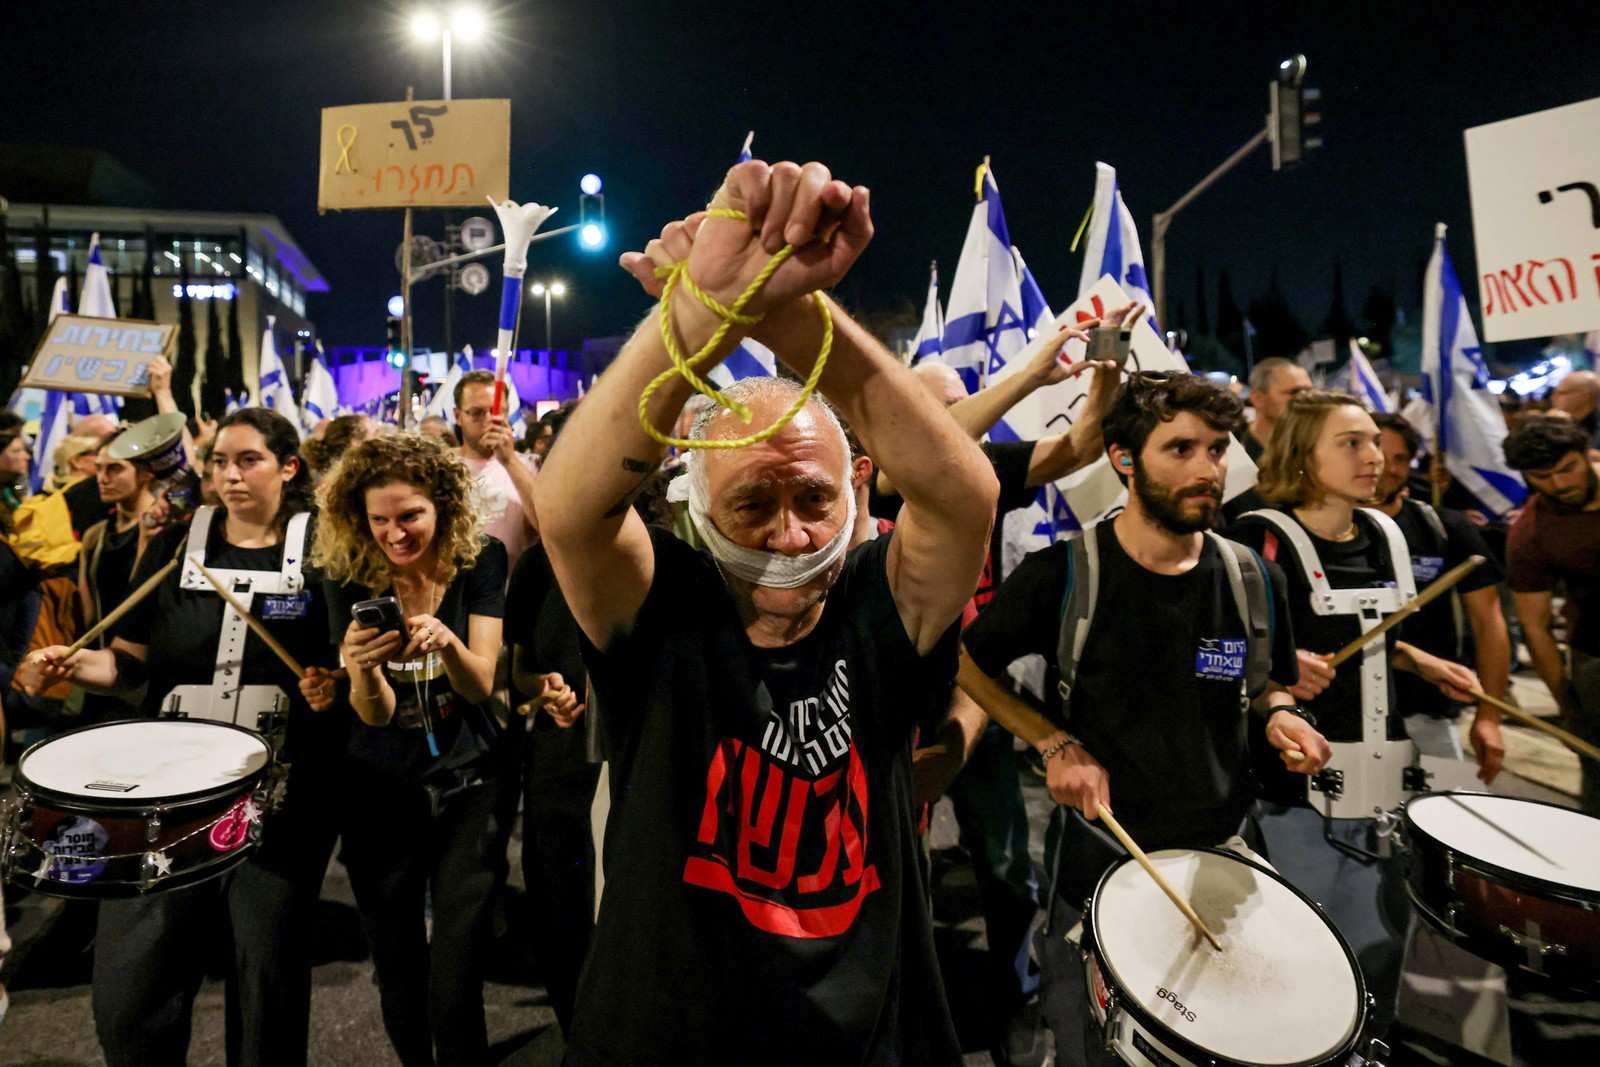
[{"x": 1127, "y": 461}]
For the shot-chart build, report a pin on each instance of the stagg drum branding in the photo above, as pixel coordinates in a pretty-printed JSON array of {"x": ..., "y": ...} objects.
[
  {"x": 784, "y": 827},
  {"x": 1172, "y": 998}
]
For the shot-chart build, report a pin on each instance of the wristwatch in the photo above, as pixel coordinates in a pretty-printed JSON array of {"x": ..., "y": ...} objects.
[
  {"x": 1295, "y": 709},
  {"x": 1049, "y": 754}
]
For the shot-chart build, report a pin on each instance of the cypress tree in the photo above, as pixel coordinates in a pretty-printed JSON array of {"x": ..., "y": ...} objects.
[
  {"x": 44, "y": 278},
  {"x": 234, "y": 375},
  {"x": 213, "y": 401},
  {"x": 183, "y": 367}
]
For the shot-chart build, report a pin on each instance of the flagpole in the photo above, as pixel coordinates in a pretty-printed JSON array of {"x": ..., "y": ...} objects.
[
  {"x": 1158, "y": 225},
  {"x": 1438, "y": 404},
  {"x": 405, "y": 317}
]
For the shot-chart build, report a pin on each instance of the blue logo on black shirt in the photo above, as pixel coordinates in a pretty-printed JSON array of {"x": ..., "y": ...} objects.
[{"x": 1220, "y": 658}]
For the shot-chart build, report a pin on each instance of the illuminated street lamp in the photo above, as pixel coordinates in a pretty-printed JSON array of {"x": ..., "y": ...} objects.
[
  {"x": 554, "y": 289},
  {"x": 465, "y": 23}
]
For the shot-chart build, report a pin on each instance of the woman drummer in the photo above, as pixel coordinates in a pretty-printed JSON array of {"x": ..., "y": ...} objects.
[
  {"x": 429, "y": 764},
  {"x": 1320, "y": 469},
  {"x": 151, "y": 951}
]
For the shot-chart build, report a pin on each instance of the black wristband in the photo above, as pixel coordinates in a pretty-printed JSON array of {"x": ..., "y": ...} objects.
[{"x": 1293, "y": 709}]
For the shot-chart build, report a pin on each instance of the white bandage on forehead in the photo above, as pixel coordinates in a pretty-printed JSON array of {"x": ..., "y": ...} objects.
[{"x": 760, "y": 566}]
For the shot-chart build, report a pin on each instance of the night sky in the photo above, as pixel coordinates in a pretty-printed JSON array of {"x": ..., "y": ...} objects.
[{"x": 218, "y": 105}]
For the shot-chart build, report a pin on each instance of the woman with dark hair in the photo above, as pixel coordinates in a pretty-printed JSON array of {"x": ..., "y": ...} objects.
[
  {"x": 191, "y": 654},
  {"x": 429, "y": 768}
]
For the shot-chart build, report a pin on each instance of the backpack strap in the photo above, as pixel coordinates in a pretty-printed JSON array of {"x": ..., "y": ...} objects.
[
  {"x": 1077, "y": 610},
  {"x": 1436, "y": 524},
  {"x": 1252, "y": 598}
]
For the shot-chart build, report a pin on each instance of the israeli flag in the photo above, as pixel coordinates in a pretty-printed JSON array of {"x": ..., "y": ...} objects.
[
  {"x": 929, "y": 340},
  {"x": 1455, "y": 381},
  {"x": 751, "y": 359},
  {"x": 273, "y": 388},
  {"x": 1035, "y": 310},
  {"x": 1364, "y": 383},
  {"x": 233, "y": 403},
  {"x": 321, "y": 393},
  {"x": 94, "y": 298},
  {"x": 1113, "y": 243},
  {"x": 984, "y": 328},
  {"x": 443, "y": 401}
]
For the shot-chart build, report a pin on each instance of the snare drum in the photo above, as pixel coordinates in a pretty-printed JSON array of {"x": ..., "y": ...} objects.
[
  {"x": 123, "y": 808},
  {"x": 1515, "y": 882},
  {"x": 1284, "y": 990}
]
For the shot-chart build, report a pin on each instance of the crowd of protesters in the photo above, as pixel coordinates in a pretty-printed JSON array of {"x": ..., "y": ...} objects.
[{"x": 791, "y": 610}]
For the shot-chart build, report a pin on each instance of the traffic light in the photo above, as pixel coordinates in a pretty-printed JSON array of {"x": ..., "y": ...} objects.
[
  {"x": 1291, "y": 111},
  {"x": 396, "y": 354},
  {"x": 591, "y": 213}
]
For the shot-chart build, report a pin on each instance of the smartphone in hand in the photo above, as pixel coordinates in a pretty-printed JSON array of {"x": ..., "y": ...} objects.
[{"x": 381, "y": 613}]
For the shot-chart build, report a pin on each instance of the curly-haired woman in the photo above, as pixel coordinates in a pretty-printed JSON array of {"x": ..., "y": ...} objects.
[{"x": 401, "y": 521}]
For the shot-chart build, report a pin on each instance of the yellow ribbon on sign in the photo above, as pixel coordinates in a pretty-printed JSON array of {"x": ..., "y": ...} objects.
[
  {"x": 684, "y": 366},
  {"x": 344, "y": 163}
]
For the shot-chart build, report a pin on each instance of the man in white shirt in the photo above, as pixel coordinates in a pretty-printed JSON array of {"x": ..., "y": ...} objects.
[{"x": 505, "y": 477}]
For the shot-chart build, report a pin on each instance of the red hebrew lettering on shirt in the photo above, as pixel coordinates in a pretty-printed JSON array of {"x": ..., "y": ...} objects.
[{"x": 784, "y": 827}]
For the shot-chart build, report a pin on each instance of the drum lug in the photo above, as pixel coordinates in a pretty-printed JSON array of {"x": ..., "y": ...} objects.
[
  {"x": 1376, "y": 1049},
  {"x": 152, "y": 829},
  {"x": 1532, "y": 944}
]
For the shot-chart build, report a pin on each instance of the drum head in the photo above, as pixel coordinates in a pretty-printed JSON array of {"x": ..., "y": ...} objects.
[
  {"x": 1525, "y": 837},
  {"x": 143, "y": 761},
  {"x": 1284, "y": 989}
]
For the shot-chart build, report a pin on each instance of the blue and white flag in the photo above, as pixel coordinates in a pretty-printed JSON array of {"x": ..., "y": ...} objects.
[
  {"x": 233, "y": 403},
  {"x": 94, "y": 298},
  {"x": 929, "y": 340},
  {"x": 751, "y": 359},
  {"x": 1113, "y": 243},
  {"x": 1035, "y": 309},
  {"x": 443, "y": 401},
  {"x": 273, "y": 391},
  {"x": 321, "y": 399},
  {"x": 984, "y": 328},
  {"x": 1455, "y": 381},
  {"x": 1364, "y": 383}
]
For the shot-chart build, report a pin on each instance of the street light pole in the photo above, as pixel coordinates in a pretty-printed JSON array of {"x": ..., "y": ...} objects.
[
  {"x": 1158, "y": 226},
  {"x": 445, "y": 35},
  {"x": 553, "y": 289}
]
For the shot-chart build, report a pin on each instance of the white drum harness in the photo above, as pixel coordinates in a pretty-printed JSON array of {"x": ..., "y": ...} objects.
[{"x": 263, "y": 708}]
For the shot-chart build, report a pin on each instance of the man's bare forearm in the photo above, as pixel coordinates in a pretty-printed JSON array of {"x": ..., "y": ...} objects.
[
  {"x": 1549, "y": 663},
  {"x": 978, "y": 413},
  {"x": 1003, "y": 706},
  {"x": 604, "y": 456}
]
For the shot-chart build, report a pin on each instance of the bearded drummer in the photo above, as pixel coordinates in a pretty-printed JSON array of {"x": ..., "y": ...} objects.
[
  {"x": 192, "y": 656},
  {"x": 1323, "y": 465},
  {"x": 1160, "y": 698}
]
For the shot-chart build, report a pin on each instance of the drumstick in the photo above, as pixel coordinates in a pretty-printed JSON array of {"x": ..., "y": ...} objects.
[
  {"x": 1440, "y": 586},
  {"x": 1577, "y": 744},
  {"x": 255, "y": 624},
  {"x": 1166, "y": 887},
  {"x": 120, "y": 610}
]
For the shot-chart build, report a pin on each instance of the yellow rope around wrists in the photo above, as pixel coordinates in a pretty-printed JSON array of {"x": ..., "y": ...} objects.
[{"x": 678, "y": 274}]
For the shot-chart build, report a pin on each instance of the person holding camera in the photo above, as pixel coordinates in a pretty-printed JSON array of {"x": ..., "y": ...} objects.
[{"x": 418, "y": 592}]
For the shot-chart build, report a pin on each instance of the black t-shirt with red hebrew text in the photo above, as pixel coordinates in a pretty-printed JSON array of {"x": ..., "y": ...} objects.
[{"x": 763, "y": 900}]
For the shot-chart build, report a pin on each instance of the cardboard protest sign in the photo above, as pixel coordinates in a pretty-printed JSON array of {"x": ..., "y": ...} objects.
[
  {"x": 82, "y": 354},
  {"x": 1536, "y": 218},
  {"x": 416, "y": 153}
]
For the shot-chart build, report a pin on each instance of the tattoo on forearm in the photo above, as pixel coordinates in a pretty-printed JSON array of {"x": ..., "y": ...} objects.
[
  {"x": 637, "y": 466},
  {"x": 621, "y": 506}
]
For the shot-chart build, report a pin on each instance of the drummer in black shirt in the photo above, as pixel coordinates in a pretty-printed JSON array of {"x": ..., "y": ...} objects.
[
  {"x": 1323, "y": 464},
  {"x": 151, "y": 951},
  {"x": 1158, "y": 733}
]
